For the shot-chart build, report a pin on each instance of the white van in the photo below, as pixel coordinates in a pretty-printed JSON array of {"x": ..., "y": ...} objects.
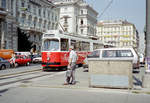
[{"x": 116, "y": 54}]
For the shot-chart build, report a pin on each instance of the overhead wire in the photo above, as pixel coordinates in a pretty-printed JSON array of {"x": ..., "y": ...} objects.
[{"x": 109, "y": 4}]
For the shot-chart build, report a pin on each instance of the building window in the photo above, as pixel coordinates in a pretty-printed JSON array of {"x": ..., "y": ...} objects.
[
  {"x": 29, "y": 8},
  {"x": 52, "y": 16},
  {"x": 3, "y": 4},
  {"x": 34, "y": 23},
  {"x": 34, "y": 10},
  {"x": 55, "y": 18},
  {"x": 22, "y": 20},
  {"x": 44, "y": 13},
  {"x": 44, "y": 25},
  {"x": 65, "y": 8},
  {"x": 81, "y": 31},
  {"x": 40, "y": 24},
  {"x": 34, "y": 37},
  {"x": 22, "y": 4},
  {"x": 81, "y": 21},
  {"x": 56, "y": 26},
  {"x": 48, "y": 13},
  {"x": 66, "y": 20},
  {"x": 48, "y": 26},
  {"x": 39, "y": 37},
  {"x": 12, "y": 7},
  {"x": 39, "y": 11},
  {"x": 81, "y": 12},
  {"x": 66, "y": 29}
]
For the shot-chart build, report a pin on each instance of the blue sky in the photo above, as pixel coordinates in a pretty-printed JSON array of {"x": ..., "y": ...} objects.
[{"x": 133, "y": 11}]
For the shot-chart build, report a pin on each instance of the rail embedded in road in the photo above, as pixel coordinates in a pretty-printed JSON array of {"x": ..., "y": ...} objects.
[{"x": 23, "y": 72}]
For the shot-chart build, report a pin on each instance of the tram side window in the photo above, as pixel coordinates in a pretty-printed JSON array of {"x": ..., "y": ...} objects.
[
  {"x": 64, "y": 44},
  {"x": 85, "y": 46},
  {"x": 73, "y": 43},
  {"x": 78, "y": 46},
  {"x": 100, "y": 46},
  {"x": 95, "y": 46}
]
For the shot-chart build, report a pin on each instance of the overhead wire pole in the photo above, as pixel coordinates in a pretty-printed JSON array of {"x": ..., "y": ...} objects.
[
  {"x": 109, "y": 4},
  {"x": 148, "y": 35},
  {"x": 147, "y": 28},
  {"x": 146, "y": 76}
]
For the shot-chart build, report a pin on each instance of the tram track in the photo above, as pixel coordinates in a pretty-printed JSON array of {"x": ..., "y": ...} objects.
[
  {"x": 23, "y": 72},
  {"x": 22, "y": 76},
  {"x": 21, "y": 80},
  {"x": 16, "y": 75}
]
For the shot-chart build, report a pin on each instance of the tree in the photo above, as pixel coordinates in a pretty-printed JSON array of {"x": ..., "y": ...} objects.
[{"x": 23, "y": 41}]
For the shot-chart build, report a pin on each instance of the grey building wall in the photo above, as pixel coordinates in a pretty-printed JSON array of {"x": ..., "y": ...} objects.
[
  {"x": 33, "y": 16},
  {"x": 8, "y": 26}
]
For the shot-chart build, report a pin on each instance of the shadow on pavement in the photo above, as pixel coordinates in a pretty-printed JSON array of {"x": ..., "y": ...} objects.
[
  {"x": 137, "y": 82},
  {"x": 3, "y": 91}
]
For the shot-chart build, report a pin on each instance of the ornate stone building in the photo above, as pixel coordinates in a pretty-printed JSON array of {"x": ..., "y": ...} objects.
[
  {"x": 77, "y": 17},
  {"x": 119, "y": 33},
  {"x": 33, "y": 16},
  {"x": 8, "y": 25},
  {"x": 36, "y": 17}
]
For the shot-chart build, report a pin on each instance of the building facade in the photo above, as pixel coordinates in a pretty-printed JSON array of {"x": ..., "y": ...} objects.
[
  {"x": 77, "y": 17},
  {"x": 8, "y": 25},
  {"x": 36, "y": 17},
  {"x": 32, "y": 16},
  {"x": 119, "y": 33}
]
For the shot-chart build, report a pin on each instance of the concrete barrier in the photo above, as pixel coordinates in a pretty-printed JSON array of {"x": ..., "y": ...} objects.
[
  {"x": 146, "y": 80},
  {"x": 110, "y": 73}
]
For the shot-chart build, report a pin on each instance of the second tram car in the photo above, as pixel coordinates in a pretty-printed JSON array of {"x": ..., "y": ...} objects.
[{"x": 55, "y": 48}]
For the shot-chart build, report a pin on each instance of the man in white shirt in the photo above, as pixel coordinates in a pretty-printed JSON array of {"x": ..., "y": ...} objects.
[{"x": 71, "y": 65}]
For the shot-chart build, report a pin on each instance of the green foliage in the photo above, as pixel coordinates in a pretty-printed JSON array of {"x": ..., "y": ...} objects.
[{"x": 23, "y": 41}]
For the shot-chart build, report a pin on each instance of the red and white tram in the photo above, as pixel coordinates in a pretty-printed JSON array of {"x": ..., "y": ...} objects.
[{"x": 55, "y": 48}]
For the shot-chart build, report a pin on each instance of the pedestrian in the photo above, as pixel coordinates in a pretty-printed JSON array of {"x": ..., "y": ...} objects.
[
  {"x": 12, "y": 60},
  {"x": 71, "y": 67}
]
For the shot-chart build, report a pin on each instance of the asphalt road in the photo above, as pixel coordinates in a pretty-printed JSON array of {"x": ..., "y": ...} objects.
[
  {"x": 61, "y": 95},
  {"x": 49, "y": 89}
]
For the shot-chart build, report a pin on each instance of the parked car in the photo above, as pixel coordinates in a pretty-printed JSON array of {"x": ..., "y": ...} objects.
[
  {"x": 116, "y": 54},
  {"x": 37, "y": 59},
  {"x": 4, "y": 63},
  {"x": 22, "y": 60}
]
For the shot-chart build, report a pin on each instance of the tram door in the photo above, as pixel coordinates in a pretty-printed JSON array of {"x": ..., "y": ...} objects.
[{"x": 64, "y": 44}]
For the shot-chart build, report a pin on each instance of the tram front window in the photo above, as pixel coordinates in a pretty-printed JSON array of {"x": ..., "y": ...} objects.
[{"x": 51, "y": 45}]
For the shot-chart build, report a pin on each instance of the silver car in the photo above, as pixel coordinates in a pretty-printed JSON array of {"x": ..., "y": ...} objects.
[
  {"x": 37, "y": 59},
  {"x": 4, "y": 63}
]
